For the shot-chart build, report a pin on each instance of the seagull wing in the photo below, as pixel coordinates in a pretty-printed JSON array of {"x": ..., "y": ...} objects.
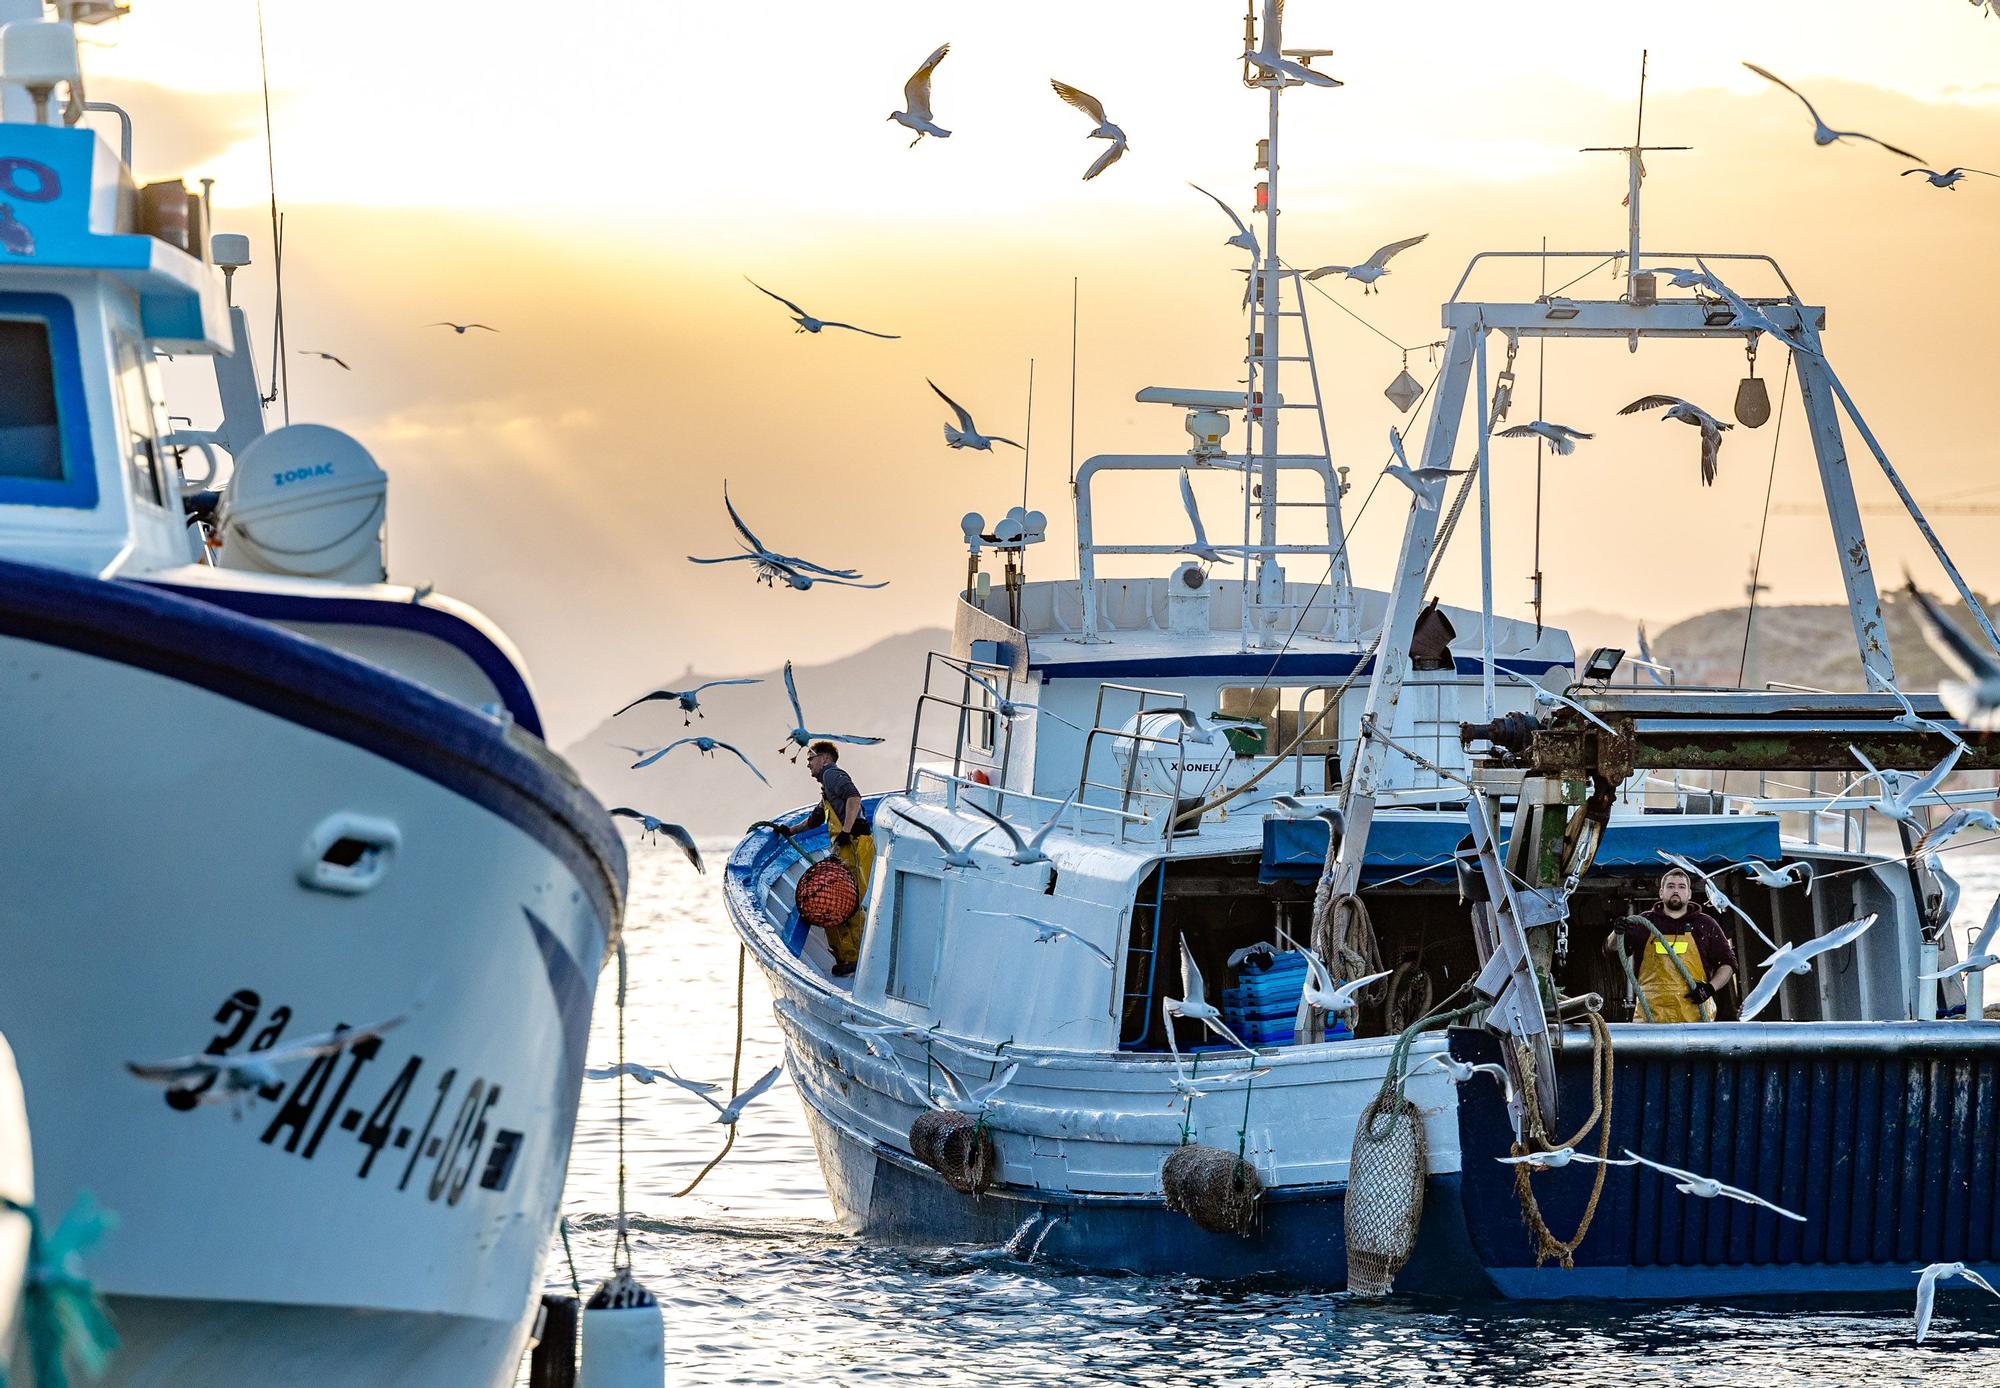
[
  {"x": 1240, "y": 227},
  {"x": 1344, "y": 996},
  {"x": 764, "y": 1082},
  {"x": 737, "y": 521},
  {"x": 917, "y": 91},
  {"x": 727, "y": 747},
  {"x": 328, "y": 1042},
  {"x": 717, "y": 684},
  {"x": 779, "y": 297},
  {"x": 660, "y": 693},
  {"x": 1983, "y": 942},
  {"x": 1318, "y": 979},
  {"x": 1893, "y": 149},
  {"x": 1967, "y": 659},
  {"x": 792, "y": 693},
  {"x": 1568, "y": 702},
  {"x": 1193, "y": 989},
  {"x": 1323, "y": 271},
  {"x": 964, "y": 419},
  {"x": 1976, "y": 1280},
  {"x": 1049, "y": 824},
  {"x": 1105, "y": 160},
  {"x": 866, "y": 332},
  {"x": 1013, "y": 834},
  {"x": 1752, "y": 1198},
  {"x": 1927, "y": 1298},
  {"x": 1767, "y": 987},
  {"x": 1773, "y": 77},
  {"x": 1519, "y": 431},
  {"x": 1930, "y": 780},
  {"x": 943, "y": 843},
  {"x": 853, "y": 739},
  {"x": 1069, "y": 934},
  {"x": 686, "y": 842},
  {"x": 1653, "y": 402},
  {"x": 1834, "y": 939},
  {"x": 1381, "y": 258},
  {"x": 1193, "y": 513},
  {"x": 179, "y": 1070},
  {"x": 987, "y": 1092},
  {"x": 1396, "y": 446},
  {"x": 1661, "y": 1166},
  {"x": 1082, "y": 100}
]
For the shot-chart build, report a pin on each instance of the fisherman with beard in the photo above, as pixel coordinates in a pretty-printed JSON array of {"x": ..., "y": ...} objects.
[{"x": 1682, "y": 967}]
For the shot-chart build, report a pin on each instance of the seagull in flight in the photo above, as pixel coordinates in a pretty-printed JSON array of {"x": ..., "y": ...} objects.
[
  {"x": 1927, "y": 1280},
  {"x": 965, "y": 435},
  {"x": 1561, "y": 1156},
  {"x": 460, "y": 328},
  {"x": 1974, "y": 697},
  {"x": 1707, "y": 1187},
  {"x": 1371, "y": 269},
  {"x": 1460, "y": 1072},
  {"x": 1548, "y": 698},
  {"x": 727, "y": 1114},
  {"x": 324, "y": 356},
  {"x": 1244, "y": 237},
  {"x": 1954, "y": 824},
  {"x": 955, "y": 856},
  {"x": 1426, "y": 482},
  {"x": 1748, "y": 315},
  {"x": 917, "y": 100},
  {"x": 1268, "y": 56},
  {"x": 707, "y": 747},
  {"x": 1008, "y": 709},
  {"x": 1779, "y": 877},
  {"x": 800, "y": 738},
  {"x": 1029, "y": 850},
  {"x": 1948, "y": 177},
  {"x": 688, "y": 699},
  {"x": 771, "y": 565},
  {"x": 1902, "y": 793},
  {"x": 650, "y": 827},
  {"x": 1092, "y": 107},
  {"x": 1718, "y": 899},
  {"x": 1797, "y": 959},
  {"x": 646, "y": 1074},
  {"x": 1681, "y": 278},
  {"x": 960, "y": 1098},
  {"x": 1561, "y": 437},
  {"x": 242, "y": 1075},
  {"x": 1046, "y": 931},
  {"x": 1320, "y": 991},
  {"x": 1646, "y": 656},
  {"x": 1909, "y": 718},
  {"x": 1687, "y": 412},
  {"x": 809, "y": 324},
  {"x": 1981, "y": 955},
  {"x": 1190, "y": 1087},
  {"x": 1824, "y": 134},
  {"x": 1194, "y": 1005},
  {"x": 1200, "y": 548}
]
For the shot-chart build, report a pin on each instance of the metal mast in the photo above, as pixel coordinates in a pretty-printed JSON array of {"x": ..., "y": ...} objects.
[{"x": 1635, "y": 175}]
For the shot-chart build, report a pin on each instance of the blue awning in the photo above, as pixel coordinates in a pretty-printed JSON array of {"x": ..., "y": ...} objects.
[{"x": 1403, "y": 842}]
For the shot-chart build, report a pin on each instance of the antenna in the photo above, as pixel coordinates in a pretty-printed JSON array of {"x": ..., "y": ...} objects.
[
  {"x": 1028, "y": 438},
  {"x": 1635, "y": 174},
  {"x": 281, "y": 369}
]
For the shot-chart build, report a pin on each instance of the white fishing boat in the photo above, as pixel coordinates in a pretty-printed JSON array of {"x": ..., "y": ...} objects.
[
  {"x": 255, "y": 793},
  {"x": 1202, "y": 777}
]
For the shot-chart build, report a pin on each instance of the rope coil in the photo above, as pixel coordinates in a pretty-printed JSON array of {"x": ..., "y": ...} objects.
[{"x": 1547, "y": 1245}]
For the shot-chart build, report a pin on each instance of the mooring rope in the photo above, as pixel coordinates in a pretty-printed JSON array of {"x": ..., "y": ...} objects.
[
  {"x": 1547, "y": 1245},
  {"x": 735, "y": 1074}
]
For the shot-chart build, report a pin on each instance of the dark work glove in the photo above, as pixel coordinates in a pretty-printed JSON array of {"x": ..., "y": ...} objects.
[
  {"x": 1701, "y": 992},
  {"x": 784, "y": 831},
  {"x": 843, "y": 840}
]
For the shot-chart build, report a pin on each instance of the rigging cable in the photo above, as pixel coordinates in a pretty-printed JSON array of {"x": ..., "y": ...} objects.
[
  {"x": 1757, "y": 564},
  {"x": 735, "y": 1076},
  {"x": 281, "y": 376}
]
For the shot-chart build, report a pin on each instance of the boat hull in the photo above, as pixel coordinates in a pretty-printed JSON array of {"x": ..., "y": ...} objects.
[{"x": 378, "y": 1215}]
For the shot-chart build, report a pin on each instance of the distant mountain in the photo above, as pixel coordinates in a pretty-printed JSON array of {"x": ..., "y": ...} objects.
[
  {"x": 1810, "y": 645},
  {"x": 871, "y": 693}
]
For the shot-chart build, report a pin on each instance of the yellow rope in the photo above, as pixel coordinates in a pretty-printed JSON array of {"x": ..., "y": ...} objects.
[
  {"x": 735, "y": 1072},
  {"x": 1547, "y": 1245}
]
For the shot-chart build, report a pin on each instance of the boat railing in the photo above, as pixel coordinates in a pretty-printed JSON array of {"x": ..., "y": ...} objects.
[
  {"x": 980, "y": 737},
  {"x": 954, "y": 789},
  {"x": 1137, "y": 804}
]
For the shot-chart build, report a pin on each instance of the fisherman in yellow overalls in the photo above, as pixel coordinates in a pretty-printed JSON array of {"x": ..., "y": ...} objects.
[
  {"x": 1681, "y": 969},
  {"x": 853, "y": 843}
]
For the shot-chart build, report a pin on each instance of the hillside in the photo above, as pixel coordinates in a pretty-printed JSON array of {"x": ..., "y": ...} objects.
[{"x": 1810, "y": 645}]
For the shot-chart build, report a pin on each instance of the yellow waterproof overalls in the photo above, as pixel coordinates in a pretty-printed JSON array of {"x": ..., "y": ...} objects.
[
  {"x": 1662, "y": 986},
  {"x": 859, "y": 856}
]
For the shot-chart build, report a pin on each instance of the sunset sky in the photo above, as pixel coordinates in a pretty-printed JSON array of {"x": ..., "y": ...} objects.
[{"x": 598, "y": 181}]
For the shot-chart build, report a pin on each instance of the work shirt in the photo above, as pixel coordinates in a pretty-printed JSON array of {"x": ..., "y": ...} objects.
[
  {"x": 836, "y": 788},
  {"x": 1709, "y": 937}
]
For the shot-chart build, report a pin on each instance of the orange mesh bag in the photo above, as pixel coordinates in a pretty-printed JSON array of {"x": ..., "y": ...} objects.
[{"x": 827, "y": 894}]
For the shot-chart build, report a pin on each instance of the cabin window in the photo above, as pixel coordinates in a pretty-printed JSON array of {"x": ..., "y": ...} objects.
[
  {"x": 142, "y": 443},
  {"x": 916, "y": 924},
  {"x": 45, "y": 453},
  {"x": 30, "y": 429}
]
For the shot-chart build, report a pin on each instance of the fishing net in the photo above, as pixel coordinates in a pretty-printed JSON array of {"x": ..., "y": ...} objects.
[
  {"x": 1385, "y": 1190},
  {"x": 1218, "y": 1190},
  {"x": 956, "y": 1146},
  {"x": 826, "y": 894}
]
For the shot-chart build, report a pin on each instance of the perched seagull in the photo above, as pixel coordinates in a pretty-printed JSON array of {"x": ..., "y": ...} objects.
[
  {"x": 1200, "y": 548},
  {"x": 1028, "y": 851},
  {"x": 1949, "y": 177},
  {"x": 800, "y": 738},
  {"x": 1548, "y": 698},
  {"x": 1426, "y": 482},
  {"x": 1779, "y": 877},
  {"x": 1562, "y": 1156},
  {"x": 1007, "y": 708},
  {"x": 1561, "y": 437},
  {"x": 242, "y": 1075},
  {"x": 1748, "y": 315},
  {"x": 688, "y": 699},
  {"x": 1899, "y": 801},
  {"x": 650, "y": 826},
  {"x": 1689, "y": 413},
  {"x": 1321, "y": 993},
  {"x": 727, "y": 1114},
  {"x": 707, "y": 747},
  {"x": 1954, "y": 824},
  {"x": 1982, "y": 955},
  {"x": 1974, "y": 697},
  {"x": 1707, "y": 1187},
  {"x": 460, "y": 328},
  {"x": 324, "y": 356},
  {"x": 1371, "y": 269},
  {"x": 1092, "y": 107},
  {"x": 1194, "y": 1005},
  {"x": 645, "y": 1074},
  {"x": 1045, "y": 931},
  {"x": 1718, "y": 900},
  {"x": 1927, "y": 1280},
  {"x": 917, "y": 97},
  {"x": 1824, "y": 134},
  {"x": 965, "y": 435},
  {"x": 1797, "y": 959},
  {"x": 1459, "y": 1072},
  {"x": 809, "y": 324},
  {"x": 1244, "y": 237},
  {"x": 1646, "y": 655},
  {"x": 1909, "y": 717},
  {"x": 954, "y": 856}
]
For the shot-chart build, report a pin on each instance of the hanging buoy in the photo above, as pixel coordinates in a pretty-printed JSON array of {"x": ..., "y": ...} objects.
[
  {"x": 957, "y": 1147},
  {"x": 624, "y": 1337},
  {"x": 1218, "y": 1190}
]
